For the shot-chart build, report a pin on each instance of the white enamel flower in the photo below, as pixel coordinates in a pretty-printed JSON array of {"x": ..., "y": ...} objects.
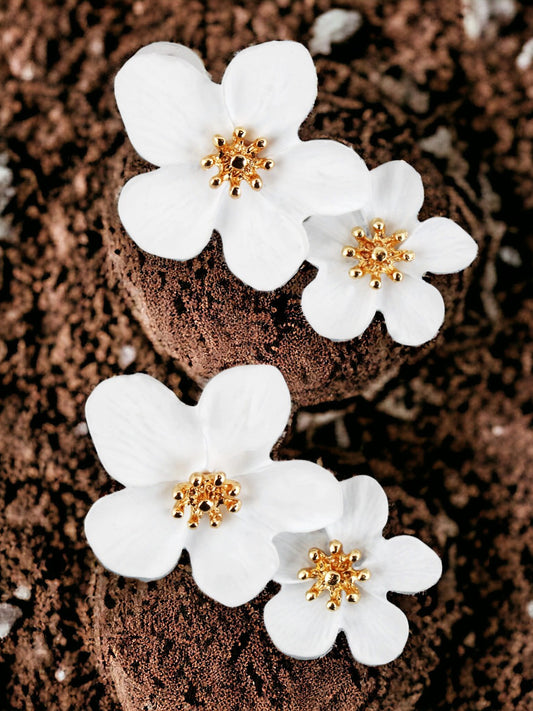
[
  {"x": 338, "y": 579},
  {"x": 375, "y": 259},
  {"x": 241, "y": 138},
  {"x": 201, "y": 478}
]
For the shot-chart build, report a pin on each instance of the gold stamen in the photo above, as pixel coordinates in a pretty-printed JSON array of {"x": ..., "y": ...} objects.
[
  {"x": 378, "y": 254},
  {"x": 237, "y": 161},
  {"x": 334, "y": 573},
  {"x": 206, "y": 492}
]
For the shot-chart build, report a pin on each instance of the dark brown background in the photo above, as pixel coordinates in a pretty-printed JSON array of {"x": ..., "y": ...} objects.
[{"x": 450, "y": 438}]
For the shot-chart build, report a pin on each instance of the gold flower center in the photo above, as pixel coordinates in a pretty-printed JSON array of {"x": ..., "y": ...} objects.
[
  {"x": 237, "y": 161},
  {"x": 205, "y": 493},
  {"x": 334, "y": 573},
  {"x": 377, "y": 254}
]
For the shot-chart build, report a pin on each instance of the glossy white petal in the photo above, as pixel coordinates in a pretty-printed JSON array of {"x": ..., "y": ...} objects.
[
  {"x": 244, "y": 411},
  {"x": 170, "y": 109},
  {"x": 299, "y": 628},
  {"x": 376, "y": 630},
  {"x": 413, "y": 310},
  {"x": 269, "y": 90},
  {"x": 173, "y": 49},
  {"x": 403, "y": 564},
  {"x": 441, "y": 246},
  {"x": 337, "y": 306},
  {"x": 234, "y": 562},
  {"x": 397, "y": 195},
  {"x": 366, "y": 510},
  {"x": 132, "y": 532},
  {"x": 292, "y": 496},
  {"x": 293, "y": 549},
  {"x": 170, "y": 212},
  {"x": 263, "y": 246},
  {"x": 327, "y": 238},
  {"x": 142, "y": 432},
  {"x": 320, "y": 177}
]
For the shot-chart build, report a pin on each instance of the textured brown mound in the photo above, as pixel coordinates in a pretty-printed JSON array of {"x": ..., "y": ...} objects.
[{"x": 452, "y": 432}]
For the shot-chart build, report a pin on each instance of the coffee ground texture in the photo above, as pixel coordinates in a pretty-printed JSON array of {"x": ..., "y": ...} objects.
[{"x": 446, "y": 429}]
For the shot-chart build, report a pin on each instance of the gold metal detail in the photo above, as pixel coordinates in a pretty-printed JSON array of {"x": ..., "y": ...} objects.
[
  {"x": 206, "y": 492},
  {"x": 334, "y": 573},
  {"x": 378, "y": 254},
  {"x": 236, "y": 161}
]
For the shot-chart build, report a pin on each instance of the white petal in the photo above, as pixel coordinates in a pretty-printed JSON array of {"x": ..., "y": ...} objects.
[
  {"x": 376, "y": 630},
  {"x": 132, "y": 532},
  {"x": 337, "y": 306},
  {"x": 293, "y": 550},
  {"x": 263, "y": 246},
  {"x": 327, "y": 238},
  {"x": 269, "y": 89},
  {"x": 292, "y": 496},
  {"x": 397, "y": 195},
  {"x": 171, "y": 110},
  {"x": 366, "y": 510},
  {"x": 299, "y": 628},
  {"x": 170, "y": 212},
  {"x": 441, "y": 246},
  {"x": 244, "y": 411},
  {"x": 174, "y": 49},
  {"x": 320, "y": 177},
  {"x": 404, "y": 564},
  {"x": 142, "y": 432},
  {"x": 413, "y": 310},
  {"x": 234, "y": 562}
]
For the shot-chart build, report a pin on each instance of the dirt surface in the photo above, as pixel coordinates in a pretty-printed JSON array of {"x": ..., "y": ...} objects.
[{"x": 450, "y": 436}]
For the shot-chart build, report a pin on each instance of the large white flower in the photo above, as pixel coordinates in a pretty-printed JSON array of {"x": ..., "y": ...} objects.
[
  {"x": 338, "y": 578},
  {"x": 374, "y": 260},
  {"x": 241, "y": 138},
  {"x": 201, "y": 478}
]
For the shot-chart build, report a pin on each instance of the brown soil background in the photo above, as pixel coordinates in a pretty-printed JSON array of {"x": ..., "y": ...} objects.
[{"x": 450, "y": 437}]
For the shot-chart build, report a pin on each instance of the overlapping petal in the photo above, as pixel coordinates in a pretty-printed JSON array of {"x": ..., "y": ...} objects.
[
  {"x": 142, "y": 432},
  {"x": 397, "y": 194},
  {"x": 404, "y": 564},
  {"x": 293, "y": 549},
  {"x": 170, "y": 211},
  {"x": 441, "y": 246},
  {"x": 327, "y": 238}
]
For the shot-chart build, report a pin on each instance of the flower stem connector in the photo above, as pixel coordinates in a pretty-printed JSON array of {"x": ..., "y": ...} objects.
[
  {"x": 378, "y": 254},
  {"x": 205, "y": 493},
  {"x": 334, "y": 573},
  {"x": 237, "y": 161}
]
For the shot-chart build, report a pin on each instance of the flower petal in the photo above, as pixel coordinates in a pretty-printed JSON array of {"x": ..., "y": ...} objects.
[
  {"x": 142, "y": 432},
  {"x": 171, "y": 110},
  {"x": 299, "y": 628},
  {"x": 376, "y": 630},
  {"x": 413, "y": 310},
  {"x": 327, "y": 238},
  {"x": 337, "y": 306},
  {"x": 269, "y": 89},
  {"x": 404, "y": 564},
  {"x": 173, "y": 49},
  {"x": 132, "y": 532},
  {"x": 397, "y": 195},
  {"x": 366, "y": 510},
  {"x": 441, "y": 246},
  {"x": 293, "y": 549},
  {"x": 233, "y": 563},
  {"x": 292, "y": 496},
  {"x": 263, "y": 246},
  {"x": 169, "y": 212},
  {"x": 244, "y": 411},
  {"x": 320, "y": 177}
]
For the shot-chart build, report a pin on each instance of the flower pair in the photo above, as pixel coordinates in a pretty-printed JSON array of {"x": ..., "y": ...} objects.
[
  {"x": 201, "y": 478},
  {"x": 230, "y": 159}
]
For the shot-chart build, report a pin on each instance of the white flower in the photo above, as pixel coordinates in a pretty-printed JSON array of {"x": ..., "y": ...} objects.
[
  {"x": 374, "y": 260},
  {"x": 347, "y": 589},
  {"x": 206, "y": 466},
  {"x": 173, "y": 114}
]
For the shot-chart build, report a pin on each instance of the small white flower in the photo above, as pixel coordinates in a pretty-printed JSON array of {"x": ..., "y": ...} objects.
[
  {"x": 374, "y": 260},
  {"x": 338, "y": 578},
  {"x": 201, "y": 478},
  {"x": 174, "y": 113}
]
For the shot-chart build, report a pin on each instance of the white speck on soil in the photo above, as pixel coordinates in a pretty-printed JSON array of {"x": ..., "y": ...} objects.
[
  {"x": 127, "y": 356},
  {"x": 510, "y": 256},
  {"x": 81, "y": 429},
  {"x": 9, "y": 614},
  {"x": 23, "y": 592},
  {"x": 524, "y": 59},
  {"x": 333, "y": 26},
  {"x": 440, "y": 143},
  {"x": 60, "y": 675}
]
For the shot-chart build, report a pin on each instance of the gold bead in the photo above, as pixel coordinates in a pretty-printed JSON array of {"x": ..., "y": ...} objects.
[
  {"x": 236, "y": 490},
  {"x": 207, "y": 163},
  {"x": 408, "y": 256},
  {"x": 349, "y": 252},
  {"x": 358, "y": 233},
  {"x": 379, "y": 254},
  {"x": 177, "y": 513},
  {"x": 397, "y": 276},
  {"x": 309, "y": 595},
  {"x": 205, "y": 505},
  {"x": 215, "y": 522},
  {"x": 219, "y": 141},
  {"x": 378, "y": 225},
  {"x": 314, "y": 554},
  {"x": 196, "y": 479},
  {"x": 303, "y": 574},
  {"x": 332, "y": 578},
  {"x": 400, "y": 235},
  {"x": 335, "y": 546},
  {"x": 234, "y": 507},
  {"x": 235, "y": 192},
  {"x": 353, "y": 597},
  {"x": 364, "y": 574},
  {"x": 261, "y": 143},
  {"x": 375, "y": 283},
  {"x": 257, "y": 184},
  {"x": 239, "y": 132},
  {"x": 354, "y": 555},
  {"x": 269, "y": 164},
  {"x": 215, "y": 182},
  {"x": 356, "y": 273},
  {"x": 331, "y": 605},
  {"x": 219, "y": 479}
]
